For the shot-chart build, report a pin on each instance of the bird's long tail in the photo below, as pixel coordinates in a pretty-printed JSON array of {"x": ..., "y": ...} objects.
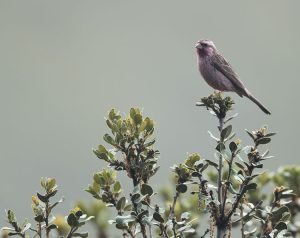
[{"x": 253, "y": 99}]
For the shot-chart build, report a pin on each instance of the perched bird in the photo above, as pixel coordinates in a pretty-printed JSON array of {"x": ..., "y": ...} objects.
[{"x": 219, "y": 74}]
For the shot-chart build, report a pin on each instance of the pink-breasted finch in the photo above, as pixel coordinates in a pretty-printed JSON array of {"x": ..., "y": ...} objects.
[{"x": 218, "y": 73}]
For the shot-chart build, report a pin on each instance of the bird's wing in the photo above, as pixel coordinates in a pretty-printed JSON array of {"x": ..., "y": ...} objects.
[{"x": 221, "y": 64}]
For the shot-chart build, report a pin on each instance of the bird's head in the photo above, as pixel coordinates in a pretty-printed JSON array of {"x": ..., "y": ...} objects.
[{"x": 205, "y": 47}]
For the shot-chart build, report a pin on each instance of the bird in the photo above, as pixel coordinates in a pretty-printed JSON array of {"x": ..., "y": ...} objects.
[{"x": 218, "y": 73}]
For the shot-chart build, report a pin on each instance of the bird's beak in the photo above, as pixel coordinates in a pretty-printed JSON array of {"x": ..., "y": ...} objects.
[{"x": 198, "y": 46}]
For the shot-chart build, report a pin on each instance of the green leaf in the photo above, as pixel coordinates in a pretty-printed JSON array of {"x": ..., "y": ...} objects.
[
  {"x": 121, "y": 203},
  {"x": 51, "y": 194},
  {"x": 281, "y": 226},
  {"x": 287, "y": 195},
  {"x": 72, "y": 220},
  {"x": 192, "y": 159},
  {"x": 277, "y": 214},
  {"x": 204, "y": 168},
  {"x": 250, "y": 134},
  {"x": 196, "y": 174},
  {"x": 138, "y": 119},
  {"x": 121, "y": 226},
  {"x": 158, "y": 217},
  {"x": 128, "y": 207},
  {"x": 143, "y": 213},
  {"x": 39, "y": 218},
  {"x": 220, "y": 147},
  {"x": 109, "y": 139},
  {"x": 232, "y": 146},
  {"x": 149, "y": 143},
  {"x": 251, "y": 186},
  {"x": 143, "y": 126},
  {"x": 212, "y": 163},
  {"x": 132, "y": 112},
  {"x": 149, "y": 124},
  {"x": 146, "y": 190},
  {"x": 44, "y": 199},
  {"x": 230, "y": 137},
  {"x": 264, "y": 140},
  {"x": 286, "y": 216},
  {"x": 82, "y": 235},
  {"x": 117, "y": 187},
  {"x": 181, "y": 188},
  {"x": 11, "y": 216},
  {"x": 113, "y": 115},
  {"x": 94, "y": 190},
  {"x": 52, "y": 227},
  {"x": 100, "y": 155},
  {"x": 136, "y": 116},
  {"x": 51, "y": 183},
  {"x": 99, "y": 179},
  {"x": 102, "y": 150},
  {"x": 109, "y": 176},
  {"x": 110, "y": 125},
  {"x": 43, "y": 183},
  {"x": 226, "y": 132},
  {"x": 136, "y": 197},
  {"x": 240, "y": 165},
  {"x": 270, "y": 134}
]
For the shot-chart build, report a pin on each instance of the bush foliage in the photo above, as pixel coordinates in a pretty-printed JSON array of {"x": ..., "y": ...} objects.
[{"x": 226, "y": 190}]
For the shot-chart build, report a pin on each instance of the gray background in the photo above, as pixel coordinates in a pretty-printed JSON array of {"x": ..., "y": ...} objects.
[{"x": 64, "y": 64}]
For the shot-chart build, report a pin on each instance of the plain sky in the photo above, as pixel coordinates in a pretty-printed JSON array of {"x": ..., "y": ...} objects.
[{"x": 64, "y": 64}]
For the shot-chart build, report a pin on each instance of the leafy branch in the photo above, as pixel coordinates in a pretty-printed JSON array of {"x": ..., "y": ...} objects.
[{"x": 42, "y": 208}]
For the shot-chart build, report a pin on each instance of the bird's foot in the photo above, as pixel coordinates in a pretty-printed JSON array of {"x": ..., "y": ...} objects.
[{"x": 217, "y": 91}]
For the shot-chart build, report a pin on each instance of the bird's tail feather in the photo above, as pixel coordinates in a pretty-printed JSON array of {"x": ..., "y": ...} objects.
[{"x": 253, "y": 99}]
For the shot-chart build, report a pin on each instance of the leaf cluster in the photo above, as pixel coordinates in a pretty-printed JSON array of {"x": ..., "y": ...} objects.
[
  {"x": 42, "y": 208},
  {"x": 132, "y": 136}
]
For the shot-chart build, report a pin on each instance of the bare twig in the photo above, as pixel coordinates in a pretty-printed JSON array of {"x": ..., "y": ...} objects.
[
  {"x": 220, "y": 182},
  {"x": 172, "y": 208},
  {"x": 227, "y": 182},
  {"x": 47, "y": 209},
  {"x": 72, "y": 230},
  {"x": 221, "y": 123},
  {"x": 237, "y": 200},
  {"x": 205, "y": 233},
  {"x": 174, "y": 227},
  {"x": 243, "y": 223}
]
